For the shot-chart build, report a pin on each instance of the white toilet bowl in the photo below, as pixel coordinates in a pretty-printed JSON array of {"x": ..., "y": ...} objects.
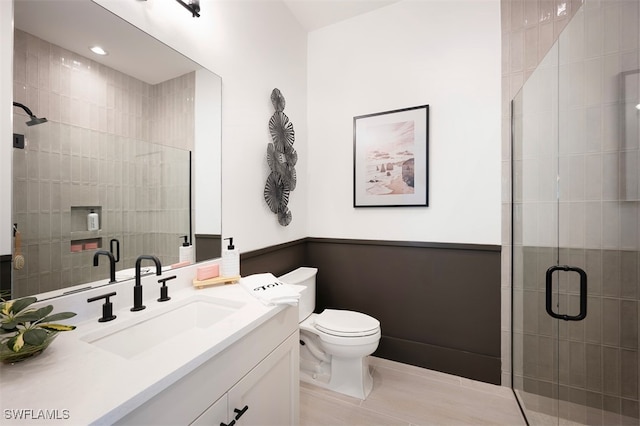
[
  {"x": 335, "y": 344},
  {"x": 344, "y": 354}
]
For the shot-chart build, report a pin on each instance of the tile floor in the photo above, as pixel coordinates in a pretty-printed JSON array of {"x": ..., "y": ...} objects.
[{"x": 407, "y": 395}]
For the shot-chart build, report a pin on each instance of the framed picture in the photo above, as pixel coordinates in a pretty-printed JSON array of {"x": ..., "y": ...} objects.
[{"x": 391, "y": 158}]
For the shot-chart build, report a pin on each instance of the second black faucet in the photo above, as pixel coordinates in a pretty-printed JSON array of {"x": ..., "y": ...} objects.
[
  {"x": 112, "y": 263},
  {"x": 137, "y": 288}
]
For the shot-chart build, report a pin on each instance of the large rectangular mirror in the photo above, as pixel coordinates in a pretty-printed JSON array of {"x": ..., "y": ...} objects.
[{"x": 120, "y": 139}]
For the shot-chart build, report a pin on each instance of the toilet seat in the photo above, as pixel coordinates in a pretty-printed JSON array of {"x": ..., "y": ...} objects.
[{"x": 344, "y": 323}]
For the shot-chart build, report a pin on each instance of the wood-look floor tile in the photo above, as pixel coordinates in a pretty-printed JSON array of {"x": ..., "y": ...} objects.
[
  {"x": 412, "y": 369},
  {"x": 317, "y": 410},
  {"x": 424, "y": 402},
  {"x": 327, "y": 394},
  {"x": 404, "y": 394},
  {"x": 496, "y": 390}
]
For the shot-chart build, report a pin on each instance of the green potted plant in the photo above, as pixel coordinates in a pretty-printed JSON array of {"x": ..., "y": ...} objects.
[{"x": 26, "y": 331}]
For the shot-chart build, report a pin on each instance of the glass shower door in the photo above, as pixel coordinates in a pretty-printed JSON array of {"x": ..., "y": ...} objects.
[
  {"x": 536, "y": 210},
  {"x": 576, "y": 224}
]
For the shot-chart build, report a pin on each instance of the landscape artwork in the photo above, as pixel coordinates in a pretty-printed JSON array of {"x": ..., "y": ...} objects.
[{"x": 390, "y": 158}]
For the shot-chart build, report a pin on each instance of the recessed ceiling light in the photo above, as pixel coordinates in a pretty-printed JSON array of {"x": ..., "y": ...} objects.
[
  {"x": 98, "y": 50},
  {"x": 638, "y": 106}
]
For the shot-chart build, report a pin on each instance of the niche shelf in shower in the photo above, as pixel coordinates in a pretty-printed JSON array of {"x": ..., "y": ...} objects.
[
  {"x": 79, "y": 221},
  {"x": 85, "y": 244}
]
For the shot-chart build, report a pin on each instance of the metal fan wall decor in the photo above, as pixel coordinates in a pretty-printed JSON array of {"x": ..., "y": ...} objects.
[{"x": 282, "y": 158}]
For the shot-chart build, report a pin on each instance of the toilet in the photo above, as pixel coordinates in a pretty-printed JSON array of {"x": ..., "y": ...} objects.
[{"x": 335, "y": 344}]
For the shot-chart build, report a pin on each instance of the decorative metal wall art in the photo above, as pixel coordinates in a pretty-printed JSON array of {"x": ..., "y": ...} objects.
[{"x": 282, "y": 158}]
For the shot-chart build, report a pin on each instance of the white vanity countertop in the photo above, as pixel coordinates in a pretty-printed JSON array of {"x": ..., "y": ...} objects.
[{"x": 75, "y": 382}]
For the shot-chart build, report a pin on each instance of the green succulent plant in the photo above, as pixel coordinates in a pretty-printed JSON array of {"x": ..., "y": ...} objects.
[{"x": 21, "y": 325}]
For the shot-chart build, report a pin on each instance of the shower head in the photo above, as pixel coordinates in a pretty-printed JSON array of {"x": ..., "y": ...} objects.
[{"x": 34, "y": 120}]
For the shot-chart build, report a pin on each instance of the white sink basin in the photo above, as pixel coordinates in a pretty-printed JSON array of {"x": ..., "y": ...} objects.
[{"x": 145, "y": 331}]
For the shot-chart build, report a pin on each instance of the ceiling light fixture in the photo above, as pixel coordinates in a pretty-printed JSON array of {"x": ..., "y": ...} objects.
[
  {"x": 192, "y": 6},
  {"x": 98, "y": 50}
]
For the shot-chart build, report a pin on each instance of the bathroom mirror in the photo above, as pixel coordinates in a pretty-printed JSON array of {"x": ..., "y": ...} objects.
[{"x": 119, "y": 143}]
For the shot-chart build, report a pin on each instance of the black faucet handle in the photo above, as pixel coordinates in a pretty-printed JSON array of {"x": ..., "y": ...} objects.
[
  {"x": 107, "y": 306},
  {"x": 164, "y": 290},
  {"x": 164, "y": 280}
]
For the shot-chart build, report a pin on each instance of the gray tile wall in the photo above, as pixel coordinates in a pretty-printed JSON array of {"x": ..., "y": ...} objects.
[
  {"x": 598, "y": 217},
  {"x": 105, "y": 130},
  {"x": 598, "y": 362}
]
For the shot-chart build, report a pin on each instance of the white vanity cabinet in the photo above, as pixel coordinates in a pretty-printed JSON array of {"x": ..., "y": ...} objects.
[
  {"x": 260, "y": 372},
  {"x": 217, "y": 414},
  {"x": 267, "y": 395}
]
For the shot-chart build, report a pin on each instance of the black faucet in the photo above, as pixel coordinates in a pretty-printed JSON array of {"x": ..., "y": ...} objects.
[
  {"x": 112, "y": 263},
  {"x": 115, "y": 243},
  {"x": 137, "y": 289}
]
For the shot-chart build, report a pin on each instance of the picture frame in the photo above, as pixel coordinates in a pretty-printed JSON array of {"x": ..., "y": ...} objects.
[{"x": 391, "y": 158}]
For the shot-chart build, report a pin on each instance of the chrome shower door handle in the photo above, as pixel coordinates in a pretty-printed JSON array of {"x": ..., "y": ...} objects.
[{"x": 583, "y": 293}]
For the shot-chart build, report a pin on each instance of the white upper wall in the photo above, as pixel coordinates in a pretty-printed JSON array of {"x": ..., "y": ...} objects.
[{"x": 442, "y": 53}]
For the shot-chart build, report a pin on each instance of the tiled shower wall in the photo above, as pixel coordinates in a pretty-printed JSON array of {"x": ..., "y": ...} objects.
[
  {"x": 105, "y": 131},
  {"x": 597, "y": 370},
  {"x": 529, "y": 29},
  {"x": 576, "y": 97}
]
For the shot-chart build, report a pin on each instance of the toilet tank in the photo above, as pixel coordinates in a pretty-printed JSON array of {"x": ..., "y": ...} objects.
[{"x": 306, "y": 277}]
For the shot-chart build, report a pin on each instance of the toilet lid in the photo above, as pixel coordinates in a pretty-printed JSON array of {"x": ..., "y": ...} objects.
[{"x": 346, "y": 323}]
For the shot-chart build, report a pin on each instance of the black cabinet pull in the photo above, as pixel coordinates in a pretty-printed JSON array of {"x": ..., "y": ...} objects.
[
  {"x": 583, "y": 292},
  {"x": 240, "y": 412},
  {"x": 233, "y": 422}
]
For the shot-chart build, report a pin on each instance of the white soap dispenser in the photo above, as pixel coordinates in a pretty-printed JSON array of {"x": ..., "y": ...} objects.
[
  {"x": 230, "y": 260},
  {"x": 93, "y": 221},
  {"x": 186, "y": 253}
]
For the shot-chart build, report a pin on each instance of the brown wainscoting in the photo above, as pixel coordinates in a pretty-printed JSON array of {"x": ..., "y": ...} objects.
[
  {"x": 453, "y": 361},
  {"x": 208, "y": 246},
  {"x": 438, "y": 304},
  {"x": 278, "y": 259},
  {"x": 6, "y": 263}
]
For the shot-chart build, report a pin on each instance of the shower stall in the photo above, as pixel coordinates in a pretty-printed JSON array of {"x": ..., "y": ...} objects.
[{"x": 576, "y": 224}]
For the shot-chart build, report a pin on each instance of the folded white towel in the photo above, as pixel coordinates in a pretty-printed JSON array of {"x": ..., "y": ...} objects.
[{"x": 270, "y": 290}]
